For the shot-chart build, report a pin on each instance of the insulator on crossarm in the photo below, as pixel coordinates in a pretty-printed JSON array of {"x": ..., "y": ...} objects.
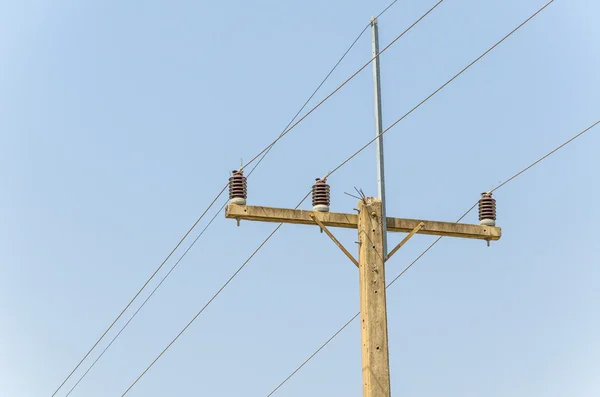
[
  {"x": 320, "y": 195},
  {"x": 487, "y": 209},
  {"x": 238, "y": 188}
]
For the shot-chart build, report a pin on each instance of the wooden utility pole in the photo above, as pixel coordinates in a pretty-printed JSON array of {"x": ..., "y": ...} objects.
[
  {"x": 371, "y": 266},
  {"x": 373, "y": 312}
]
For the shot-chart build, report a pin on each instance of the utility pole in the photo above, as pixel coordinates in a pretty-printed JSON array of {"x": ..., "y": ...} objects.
[
  {"x": 372, "y": 225},
  {"x": 373, "y": 312},
  {"x": 372, "y": 253},
  {"x": 371, "y": 266}
]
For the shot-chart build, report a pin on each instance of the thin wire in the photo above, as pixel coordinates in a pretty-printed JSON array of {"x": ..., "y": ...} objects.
[
  {"x": 211, "y": 299},
  {"x": 344, "y": 83},
  {"x": 428, "y": 248},
  {"x": 145, "y": 301},
  {"x": 360, "y": 192},
  {"x": 139, "y": 291},
  {"x": 202, "y": 232},
  {"x": 439, "y": 89},
  {"x": 548, "y": 154},
  {"x": 351, "y": 195},
  {"x": 382, "y": 12},
  {"x": 314, "y": 354}
]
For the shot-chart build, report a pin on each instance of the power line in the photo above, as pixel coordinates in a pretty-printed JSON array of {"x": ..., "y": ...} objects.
[
  {"x": 314, "y": 354},
  {"x": 426, "y": 250},
  {"x": 382, "y": 12},
  {"x": 439, "y": 89},
  {"x": 143, "y": 304},
  {"x": 138, "y": 292},
  {"x": 547, "y": 155},
  {"x": 264, "y": 154},
  {"x": 210, "y": 300}
]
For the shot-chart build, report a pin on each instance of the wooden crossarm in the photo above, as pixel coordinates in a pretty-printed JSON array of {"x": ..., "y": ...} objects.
[{"x": 350, "y": 221}]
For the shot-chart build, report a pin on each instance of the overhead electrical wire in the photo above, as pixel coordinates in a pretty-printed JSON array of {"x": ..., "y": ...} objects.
[
  {"x": 544, "y": 157},
  {"x": 426, "y": 250},
  {"x": 142, "y": 305},
  {"x": 263, "y": 153},
  {"x": 137, "y": 293},
  {"x": 210, "y": 301}
]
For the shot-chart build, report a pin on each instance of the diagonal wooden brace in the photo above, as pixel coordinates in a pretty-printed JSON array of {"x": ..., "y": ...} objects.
[
  {"x": 405, "y": 239},
  {"x": 335, "y": 240}
]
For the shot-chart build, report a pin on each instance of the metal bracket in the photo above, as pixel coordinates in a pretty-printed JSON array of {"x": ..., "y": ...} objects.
[
  {"x": 401, "y": 243},
  {"x": 335, "y": 240}
]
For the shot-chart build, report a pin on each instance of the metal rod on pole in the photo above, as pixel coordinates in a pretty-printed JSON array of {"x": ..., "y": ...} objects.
[{"x": 379, "y": 129}]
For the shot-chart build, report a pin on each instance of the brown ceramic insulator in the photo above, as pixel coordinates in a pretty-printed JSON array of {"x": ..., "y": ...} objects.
[
  {"x": 320, "y": 193},
  {"x": 487, "y": 207},
  {"x": 237, "y": 185}
]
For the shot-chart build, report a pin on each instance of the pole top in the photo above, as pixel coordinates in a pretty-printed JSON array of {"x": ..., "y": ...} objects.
[
  {"x": 373, "y": 20},
  {"x": 369, "y": 201}
]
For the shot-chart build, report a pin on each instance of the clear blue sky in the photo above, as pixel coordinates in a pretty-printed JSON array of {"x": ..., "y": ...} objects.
[{"x": 120, "y": 121}]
